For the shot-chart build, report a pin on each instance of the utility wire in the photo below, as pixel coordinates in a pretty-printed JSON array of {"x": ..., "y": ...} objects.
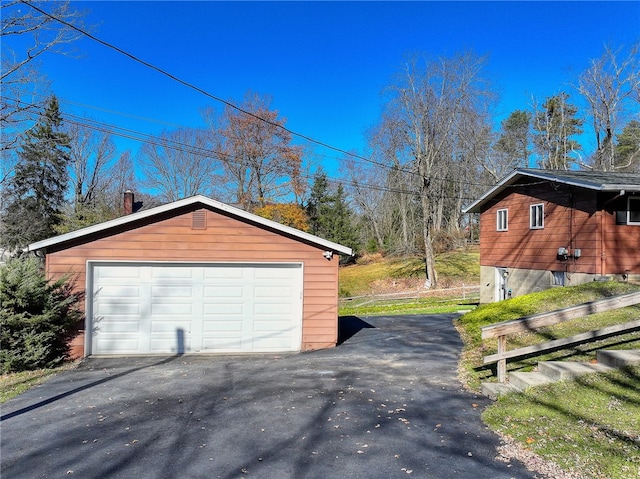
[
  {"x": 225, "y": 102},
  {"x": 196, "y": 88},
  {"x": 206, "y": 152}
]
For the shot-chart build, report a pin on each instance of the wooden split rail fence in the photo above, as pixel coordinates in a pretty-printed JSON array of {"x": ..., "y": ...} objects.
[{"x": 531, "y": 323}]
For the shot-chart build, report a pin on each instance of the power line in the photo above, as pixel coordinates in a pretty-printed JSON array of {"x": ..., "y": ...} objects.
[
  {"x": 205, "y": 152},
  {"x": 194, "y": 87},
  {"x": 228, "y": 103}
]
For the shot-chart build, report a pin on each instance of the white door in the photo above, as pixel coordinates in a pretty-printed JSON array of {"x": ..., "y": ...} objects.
[
  {"x": 150, "y": 308},
  {"x": 502, "y": 275}
]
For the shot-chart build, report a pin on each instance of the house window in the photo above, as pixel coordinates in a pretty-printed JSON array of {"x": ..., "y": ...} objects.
[
  {"x": 502, "y": 221},
  {"x": 633, "y": 211},
  {"x": 628, "y": 213},
  {"x": 558, "y": 278},
  {"x": 536, "y": 216}
]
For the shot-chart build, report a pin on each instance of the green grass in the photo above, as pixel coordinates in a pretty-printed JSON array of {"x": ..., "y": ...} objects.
[
  {"x": 590, "y": 425},
  {"x": 455, "y": 266},
  {"x": 412, "y": 306},
  {"x": 11, "y": 385},
  {"x": 471, "y": 366}
]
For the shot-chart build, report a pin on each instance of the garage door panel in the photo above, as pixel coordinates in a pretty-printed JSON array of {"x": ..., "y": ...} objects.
[
  {"x": 120, "y": 273},
  {"x": 118, "y": 308},
  {"x": 124, "y": 345},
  {"x": 171, "y": 309},
  {"x": 172, "y": 292},
  {"x": 119, "y": 326},
  {"x": 109, "y": 291},
  {"x": 221, "y": 309},
  {"x": 171, "y": 326},
  {"x": 172, "y": 272},
  {"x": 222, "y": 344},
  {"x": 276, "y": 292},
  {"x": 266, "y": 272},
  {"x": 223, "y": 292},
  {"x": 170, "y": 345},
  {"x": 221, "y": 326},
  {"x": 281, "y": 327},
  {"x": 269, "y": 310},
  {"x": 223, "y": 272},
  {"x": 269, "y": 343},
  {"x": 159, "y": 308}
]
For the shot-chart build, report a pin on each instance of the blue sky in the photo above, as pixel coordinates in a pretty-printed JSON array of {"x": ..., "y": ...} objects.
[{"x": 324, "y": 64}]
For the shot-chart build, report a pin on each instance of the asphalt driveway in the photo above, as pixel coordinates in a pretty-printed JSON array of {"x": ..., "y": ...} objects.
[{"x": 384, "y": 404}]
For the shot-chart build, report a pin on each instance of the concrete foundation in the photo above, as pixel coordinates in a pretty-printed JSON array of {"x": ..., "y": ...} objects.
[{"x": 517, "y": 282}]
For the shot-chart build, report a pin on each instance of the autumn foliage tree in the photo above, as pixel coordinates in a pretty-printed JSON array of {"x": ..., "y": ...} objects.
[
  {"x": 260, "y": 164},
  {"x": 288, "y": 214}
]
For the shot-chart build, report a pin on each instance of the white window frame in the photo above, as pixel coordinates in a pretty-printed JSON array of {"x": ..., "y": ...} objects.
[
  {"x": 502, "y": 220},
  {"x": 536, "y": 222},
  {"x": 635, "y": 199}
]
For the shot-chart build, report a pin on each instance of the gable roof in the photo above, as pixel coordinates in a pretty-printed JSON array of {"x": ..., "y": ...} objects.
[
  {"x": 592, "y": 180},
  {"x": 193, "y": 200}
]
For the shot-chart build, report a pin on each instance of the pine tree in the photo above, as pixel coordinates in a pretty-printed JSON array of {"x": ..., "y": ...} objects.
[
  {"x": 329, "y": 214},
  {"x": 343, "y": 223},
  {"x": 627, "y": 148},
  {"x": 319, "y": 205},
  {"x": 35, "y": 194},
  {"x": 554, "y": 128}
]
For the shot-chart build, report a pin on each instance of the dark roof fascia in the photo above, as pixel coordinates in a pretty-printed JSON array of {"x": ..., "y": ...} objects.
[{"x": 552, "y": 177}]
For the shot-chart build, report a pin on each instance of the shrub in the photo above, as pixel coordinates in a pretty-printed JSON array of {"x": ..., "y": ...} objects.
[{"x": 37, "y": 317}]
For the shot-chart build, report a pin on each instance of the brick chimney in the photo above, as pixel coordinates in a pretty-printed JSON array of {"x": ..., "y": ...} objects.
[{"x": 128, "y": 202}]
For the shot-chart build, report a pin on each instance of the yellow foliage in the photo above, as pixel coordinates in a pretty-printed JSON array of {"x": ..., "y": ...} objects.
[{"x": 288, "y": 214}]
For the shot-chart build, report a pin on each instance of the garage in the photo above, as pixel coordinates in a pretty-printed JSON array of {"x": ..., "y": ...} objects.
[
  {"x": 154, "y": 308},
  {"x": 197, "y": 276}
]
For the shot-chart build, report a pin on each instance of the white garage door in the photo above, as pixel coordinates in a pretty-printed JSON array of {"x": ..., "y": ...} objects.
[{"x": 188, "y": 308}]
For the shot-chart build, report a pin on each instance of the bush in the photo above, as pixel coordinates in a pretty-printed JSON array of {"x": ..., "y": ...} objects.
[{"x": 37, "y": 317}]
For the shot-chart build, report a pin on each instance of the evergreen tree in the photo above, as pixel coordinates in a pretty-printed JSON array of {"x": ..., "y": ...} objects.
[
  {"x": 329, "y": 214},
  {"x": 35, "y": 194},
  {"x": 554, "y": 128},
  {"x": 627, "y": 149},
  {"x": 513, "y": 143},
  {"x": 319, "y": 205},
  {"x": 343, "y": 229}
]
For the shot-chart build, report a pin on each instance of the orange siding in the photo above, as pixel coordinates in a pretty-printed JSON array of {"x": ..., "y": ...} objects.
[
  {"x": 573, "y": 218},
  {"x": 621, "y": 244},
  {"x": 225, "y": 239},
  {"x": 569, "y": 221}
]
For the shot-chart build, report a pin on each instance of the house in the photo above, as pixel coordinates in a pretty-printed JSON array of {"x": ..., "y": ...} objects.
[
  {"x": 544, "y": 228},
  {"x": 198, "y": 276}
]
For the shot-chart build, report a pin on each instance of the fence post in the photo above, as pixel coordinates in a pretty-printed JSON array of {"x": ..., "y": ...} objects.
[{"x": 502, "y": 363}]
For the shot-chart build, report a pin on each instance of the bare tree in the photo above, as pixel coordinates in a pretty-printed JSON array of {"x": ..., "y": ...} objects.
[
  {"x": 611, "y": 87},
  {"x": 398, "y": 209},
  {"x": 91, "y": 157},
  {"x": 179, "y": 164},
  {"x": 366, "y": 186},
  {"x": 19, "y": 77},
  {"x": 260, "y": 162},
  {"x": 428, "y": 101}
]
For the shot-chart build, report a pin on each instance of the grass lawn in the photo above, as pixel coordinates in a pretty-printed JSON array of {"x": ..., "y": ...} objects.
[
  {"x": 11, "y": 385},
  {"x": 469, "y": 326},
  {"x": 375, "y": 275},
  {"x": 590, "y": 426}
]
